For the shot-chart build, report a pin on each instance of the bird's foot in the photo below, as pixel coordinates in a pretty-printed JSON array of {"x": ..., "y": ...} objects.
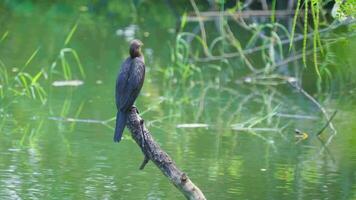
[{"x": 134, "y": 107}]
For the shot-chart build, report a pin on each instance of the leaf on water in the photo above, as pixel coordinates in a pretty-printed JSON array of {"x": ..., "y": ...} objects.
[
  {"x": 67, "y": 83},
  {"x": 197, "y": 125}
]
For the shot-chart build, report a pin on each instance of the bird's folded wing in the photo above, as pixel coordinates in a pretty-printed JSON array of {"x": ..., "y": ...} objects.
[{"x": 133, "y": 85}]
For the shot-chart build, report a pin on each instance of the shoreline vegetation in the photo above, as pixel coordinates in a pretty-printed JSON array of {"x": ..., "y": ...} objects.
[{"x": 263, "y": 57}]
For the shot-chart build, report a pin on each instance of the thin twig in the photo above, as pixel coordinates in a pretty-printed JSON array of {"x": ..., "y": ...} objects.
[
  {"x": 202, "y": 28},
  {"x": 321, "y": 108},
  {"x": 211, "y": 15},
  {"x": 296, "y": 116},
  {"x": 69, "y": 119},
  {"x": 327, "y": 123}
]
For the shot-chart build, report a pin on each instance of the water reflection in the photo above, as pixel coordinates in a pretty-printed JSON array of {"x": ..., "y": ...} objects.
[{"x": 64, "y": 149}]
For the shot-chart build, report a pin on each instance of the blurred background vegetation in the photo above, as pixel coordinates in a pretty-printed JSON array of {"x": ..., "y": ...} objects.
[{"x": 227, "y": 83}]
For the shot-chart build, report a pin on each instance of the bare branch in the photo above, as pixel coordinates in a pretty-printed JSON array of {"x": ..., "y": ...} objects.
[{"x": 152, "y": 151}]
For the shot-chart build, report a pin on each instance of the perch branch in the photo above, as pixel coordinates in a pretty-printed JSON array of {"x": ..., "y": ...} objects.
[{"x": 153, "y": 152}]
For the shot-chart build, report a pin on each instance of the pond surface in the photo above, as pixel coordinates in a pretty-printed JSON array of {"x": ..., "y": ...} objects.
[{"x": 63, "y": 149}]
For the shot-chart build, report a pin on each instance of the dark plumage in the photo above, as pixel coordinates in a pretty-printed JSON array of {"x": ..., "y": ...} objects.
[{"x": 128, "y": 85}]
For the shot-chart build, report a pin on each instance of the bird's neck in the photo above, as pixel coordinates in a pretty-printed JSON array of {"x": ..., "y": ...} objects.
[
  {"x": 135, "y": 53},
  {"x": 140, "y": 57}
]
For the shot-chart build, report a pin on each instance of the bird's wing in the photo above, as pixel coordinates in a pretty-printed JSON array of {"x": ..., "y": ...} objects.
[
  {"x": 121, "y": 82},
  {"x": 133, "y": 85}
]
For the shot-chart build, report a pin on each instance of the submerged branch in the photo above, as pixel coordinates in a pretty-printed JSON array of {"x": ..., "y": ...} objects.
[
  {"x": 212, "y": 15},
  {"x": 312, "y": 99},
  {"x": 153, "y": 152},
  {"x": 327, "y": 123},
  {"x": 69, "y": 119}
]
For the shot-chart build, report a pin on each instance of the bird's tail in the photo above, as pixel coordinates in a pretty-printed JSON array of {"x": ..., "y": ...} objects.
[{"x": 120, "y": 125}]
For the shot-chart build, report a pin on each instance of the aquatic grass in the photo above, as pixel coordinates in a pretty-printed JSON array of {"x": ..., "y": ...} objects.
[
  {"x": 3, "y": 73},
  {"x": 183, "y": 21},
  {"x": 237, "y": 45},
  {"x": 273, "y": 8},
  {"x": 1, "y": 91},
  {"x": 153, "y": 106},
  {"x": 184, "y": 69},
  {"x": 65, "y": 107},
  {"x": 215, "y": 41},
  {"x": 273, "y": 36},
  {"x": 182, "y": 43},
  {"x": 4, "y": 79},
  {"x": 202, "y": 28},
  {"x": 252, "y": 122},
  {"x": 33, "y": 55},
  {"x": 31, "y": 87},
  {"x": 33, "y": 137},
  {"x": 26, "y": 130},
  {"x": 76, "y": 115},
  {"x": 66, "y": 67},
  {"x": 71, "y": 33},
  {"x": 4, "y": 36}
]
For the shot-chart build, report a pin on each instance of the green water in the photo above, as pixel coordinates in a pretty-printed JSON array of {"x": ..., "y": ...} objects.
[{"x": 43, "y": 156}]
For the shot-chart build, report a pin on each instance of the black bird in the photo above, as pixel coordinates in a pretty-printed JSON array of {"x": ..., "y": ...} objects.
[{"x": 128, "y": 85}]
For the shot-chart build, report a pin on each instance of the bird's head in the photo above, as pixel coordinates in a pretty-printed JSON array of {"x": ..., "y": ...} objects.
[{"x": 135, "y": 48}]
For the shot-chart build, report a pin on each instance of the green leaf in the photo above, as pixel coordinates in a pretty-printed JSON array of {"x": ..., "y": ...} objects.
[
  {"x": 294, "y": 24},
  {"x": 30, "y": 58},
  {"x": 183, "y": 20},
  {"x": 70, "y": 35}
]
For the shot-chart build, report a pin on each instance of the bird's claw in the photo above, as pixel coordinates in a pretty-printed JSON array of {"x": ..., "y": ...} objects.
[{"x": 134, "y": 107}]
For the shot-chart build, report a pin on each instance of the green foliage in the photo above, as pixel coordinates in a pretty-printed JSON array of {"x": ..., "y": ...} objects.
[
  {"x": 273, "y": 17},
  {"x": 33, "y": 55},
  {"x": 315, "y": 13},
  {"x": 70, "y": 35},
  {"x": 305, "y": 32},
  {"x": 66, "y": 67},
  {"x": 3, "y": 37},
  {"x": 294, "y": 23},
  {"x": 314, "y": 6},
  {"x": 30, "y": 86},
  {"x": 23, "y": 83},
  {"x": 343, "y": 9}
]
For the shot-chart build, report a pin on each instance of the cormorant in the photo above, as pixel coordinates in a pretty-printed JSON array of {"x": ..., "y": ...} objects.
[{"x": 128, "y": 85}]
